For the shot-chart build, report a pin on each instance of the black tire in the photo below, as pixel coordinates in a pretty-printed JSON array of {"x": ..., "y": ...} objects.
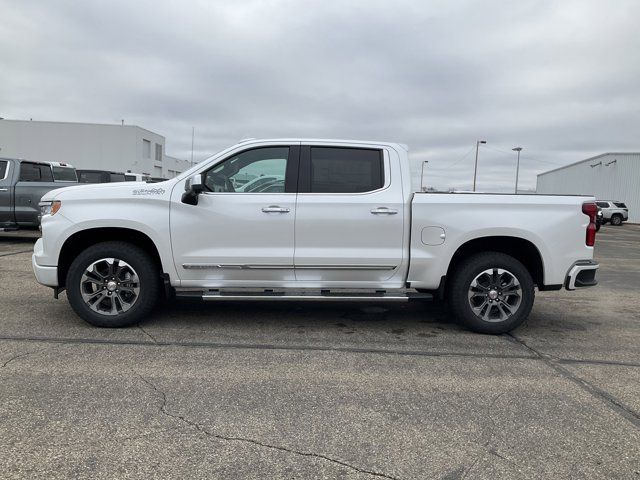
[
  {"x": 598, "y": 225},
  {"x": 141, "y": 264},
  {"x": 461, "y": 283},
  {"x": 616, "y": 220}
]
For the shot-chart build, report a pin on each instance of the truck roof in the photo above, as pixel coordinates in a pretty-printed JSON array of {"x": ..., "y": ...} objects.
[
  {"x": 21, "y": 160},
  {"x": 325, "y": 140},
  {"x": 99, "y": 171}
]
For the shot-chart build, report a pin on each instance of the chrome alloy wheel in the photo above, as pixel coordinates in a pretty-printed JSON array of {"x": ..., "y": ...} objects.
[
  {"x": 495, "y": 295},
  {"x": 110, "y": 286}
]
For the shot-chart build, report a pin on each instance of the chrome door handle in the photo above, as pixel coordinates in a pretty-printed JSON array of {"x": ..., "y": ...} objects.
[
  {"x": 4, "y": 189},
  {"x": 384, "y": 211},
  {"x": 275, "y": 209}
]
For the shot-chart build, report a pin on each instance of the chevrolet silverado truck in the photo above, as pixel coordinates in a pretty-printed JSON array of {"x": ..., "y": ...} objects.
[
  {"x": 344, "y": 225},
  {"x": 22, "y": 184}
]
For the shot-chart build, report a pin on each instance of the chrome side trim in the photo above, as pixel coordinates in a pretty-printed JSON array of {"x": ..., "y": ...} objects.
[
  {"x": 279, "y": 266},
  {"x": 235, "y": 266},
  {"x": 345, "y": 267}
]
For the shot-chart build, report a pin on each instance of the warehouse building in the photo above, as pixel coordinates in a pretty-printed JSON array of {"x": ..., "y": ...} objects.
[
  {"x": 90, "y": 146},
  {"x": 610, "y": 176}
]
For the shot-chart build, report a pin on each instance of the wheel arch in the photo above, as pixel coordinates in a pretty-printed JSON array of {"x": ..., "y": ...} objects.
[
  {"x": 85, "y": 238},
  {"x": 519, "y": 248}
]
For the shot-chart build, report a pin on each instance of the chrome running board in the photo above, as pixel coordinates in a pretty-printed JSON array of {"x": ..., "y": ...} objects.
[{"x": 297, "y": 296}]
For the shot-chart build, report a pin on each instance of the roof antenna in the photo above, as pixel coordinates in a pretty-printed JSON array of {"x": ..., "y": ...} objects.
[{"x": 423, "y": 187}]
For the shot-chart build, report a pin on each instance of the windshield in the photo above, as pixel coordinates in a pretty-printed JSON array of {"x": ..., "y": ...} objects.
[{"x": 64, "y": 174}]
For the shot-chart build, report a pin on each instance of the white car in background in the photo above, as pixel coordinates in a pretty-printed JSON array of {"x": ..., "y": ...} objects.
[{"x": 613, "y": 212}]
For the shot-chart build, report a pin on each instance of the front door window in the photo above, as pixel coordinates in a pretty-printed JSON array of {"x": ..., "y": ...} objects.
[{"x": 252, "y": 171}]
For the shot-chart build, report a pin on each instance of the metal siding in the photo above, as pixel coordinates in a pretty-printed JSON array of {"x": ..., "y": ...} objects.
[
  {"x": 619, "y": 181},
  {"x": 84, "y": 145}
]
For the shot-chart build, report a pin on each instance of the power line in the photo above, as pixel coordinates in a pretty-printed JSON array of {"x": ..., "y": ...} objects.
[
  {"x": 527, "y": 157},
  {"x": 451, "y": 165}
]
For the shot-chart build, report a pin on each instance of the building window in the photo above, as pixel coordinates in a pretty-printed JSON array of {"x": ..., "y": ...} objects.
[
  {"x": 158, "y": 152},
  {"x": 146, "y": 149}
]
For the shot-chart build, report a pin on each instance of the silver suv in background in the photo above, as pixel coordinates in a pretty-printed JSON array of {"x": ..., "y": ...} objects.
[{"x": 613, "y": 211}]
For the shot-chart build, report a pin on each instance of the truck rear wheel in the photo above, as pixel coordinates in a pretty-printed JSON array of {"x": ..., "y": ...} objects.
[
  {"x": 616, "y": 219},
  {"x": 491, "y": 293},
  {"x": 113, "y": 284}
]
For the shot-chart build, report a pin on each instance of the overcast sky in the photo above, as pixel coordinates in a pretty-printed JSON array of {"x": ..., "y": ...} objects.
[{"x": 561, "y": 79}]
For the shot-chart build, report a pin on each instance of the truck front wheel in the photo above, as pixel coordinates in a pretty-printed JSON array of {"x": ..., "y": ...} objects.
[
  {"x": 491, "y": 293},
  {"x": 113, "y": 284}
]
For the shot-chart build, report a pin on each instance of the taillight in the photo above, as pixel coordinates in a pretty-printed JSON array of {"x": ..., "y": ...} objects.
[{"x": 591, "y": 210}]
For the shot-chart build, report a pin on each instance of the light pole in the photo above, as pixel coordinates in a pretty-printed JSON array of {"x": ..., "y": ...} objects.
[
  {"x": 475, "y": 170},
  {"x": 517, "y": 149}
]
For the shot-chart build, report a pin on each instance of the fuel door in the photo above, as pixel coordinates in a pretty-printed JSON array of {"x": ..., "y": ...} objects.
[{"x": 433, "y": 235}]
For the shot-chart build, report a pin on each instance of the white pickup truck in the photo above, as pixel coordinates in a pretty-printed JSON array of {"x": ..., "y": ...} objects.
[{"x": 332, "y": 220}]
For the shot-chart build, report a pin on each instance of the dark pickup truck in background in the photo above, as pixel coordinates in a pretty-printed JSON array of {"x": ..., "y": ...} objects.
[{"x": 22, "y": 185}]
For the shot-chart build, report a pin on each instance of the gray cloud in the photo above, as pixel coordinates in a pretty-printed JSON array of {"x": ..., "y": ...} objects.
[{"x": 558, "y": 78}]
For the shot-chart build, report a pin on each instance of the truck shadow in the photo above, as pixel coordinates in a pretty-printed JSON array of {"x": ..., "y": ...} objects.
[{"x": 422, "y": 319}]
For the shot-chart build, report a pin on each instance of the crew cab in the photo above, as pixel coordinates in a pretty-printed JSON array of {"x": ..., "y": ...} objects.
[
  {"x": 346, "y": 226},
  {"x": 22, "y": 184}
]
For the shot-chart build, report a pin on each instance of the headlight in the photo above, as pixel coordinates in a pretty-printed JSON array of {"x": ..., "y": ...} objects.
[{"x": 49, "y": 208}]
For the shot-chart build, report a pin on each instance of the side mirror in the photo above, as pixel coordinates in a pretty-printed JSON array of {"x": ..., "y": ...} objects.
[{"x": 192, "y": 188}]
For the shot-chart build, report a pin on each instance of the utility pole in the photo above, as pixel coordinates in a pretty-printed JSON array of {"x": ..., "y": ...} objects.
[
  {"x": 517, "y": 149},
  {"x": 193, "y": 134},
  {"x": 475, "y": 170}
]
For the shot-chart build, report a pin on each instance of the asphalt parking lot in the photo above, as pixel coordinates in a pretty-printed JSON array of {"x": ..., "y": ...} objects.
[{"x": 323, "y": 391}]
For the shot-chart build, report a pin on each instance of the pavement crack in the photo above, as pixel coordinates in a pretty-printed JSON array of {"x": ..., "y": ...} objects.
[
  {"x": 227, "y": 438},
  {"x": 556, "y": 364},
  {"x": 153, "y": 339},
  {"x": 15, "y": 357},
  {"x": 15, "y": 253},
  {"x": 491, "y": 433},
  {"x": 154, "y": 343}
]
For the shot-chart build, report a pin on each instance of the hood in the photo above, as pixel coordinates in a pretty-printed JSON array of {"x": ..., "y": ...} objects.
[{"x": 91, "y": 191}]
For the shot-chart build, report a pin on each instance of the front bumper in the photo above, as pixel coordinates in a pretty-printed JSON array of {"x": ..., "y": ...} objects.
[
  {"x": 45, "y": 275},
  {"x": 582, "y": 274}
]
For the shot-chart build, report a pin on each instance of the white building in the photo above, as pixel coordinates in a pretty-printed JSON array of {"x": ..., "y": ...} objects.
[
  {"x": 610, "y": 176},
  {"x": 90, "y": 146},
  {"x": 174, "y": 166}
]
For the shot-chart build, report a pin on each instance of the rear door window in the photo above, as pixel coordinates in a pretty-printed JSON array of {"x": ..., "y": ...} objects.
[
  {"x": 346, "y": 170},
  {"x": 116, "y": 177},
  {"x": 35, "y": 172},
  {"x": 619, "y": 204}
]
